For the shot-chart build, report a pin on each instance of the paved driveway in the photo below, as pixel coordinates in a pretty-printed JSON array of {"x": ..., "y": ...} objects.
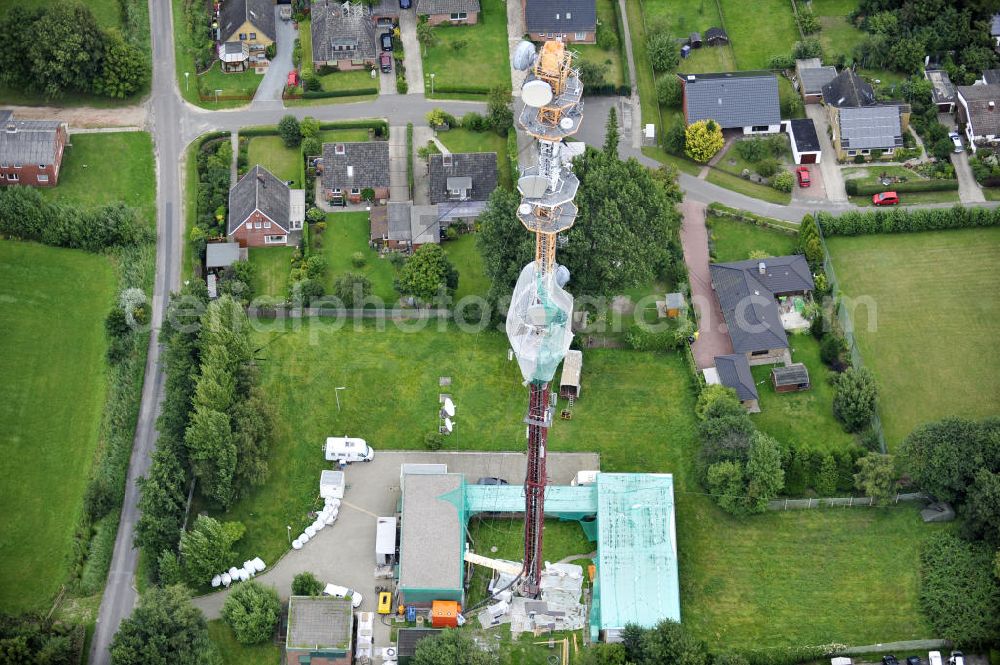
[
  {"x": 833, "y": 180},
  {"x": 713, "y": 339},
  {"x": 816, "y": 191},
  {"x": 399, "y": 188},
  {"x": 969, "y": 190},
  {"x": 411, "y": 52},
  {"x": 277, "y": 72}
]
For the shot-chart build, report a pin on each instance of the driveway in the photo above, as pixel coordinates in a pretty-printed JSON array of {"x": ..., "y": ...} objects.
[
  {"x": 515, "y": 33},
  {"x": 277, "y": 72},
  {"x": 344, "y": 553},
  {"x": 411, "y": 52},
  {"x": 816, "y": 191},
  {"x": 713, "y": 339},
  {"x": 399, "y": 188},
  {"x": 969, "y": 190},
  {"x": 833, "y": 180},
  {"x": 387, "y": 81}
]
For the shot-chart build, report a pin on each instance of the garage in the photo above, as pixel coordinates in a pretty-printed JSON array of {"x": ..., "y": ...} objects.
[{"x": 804, "y": 140}]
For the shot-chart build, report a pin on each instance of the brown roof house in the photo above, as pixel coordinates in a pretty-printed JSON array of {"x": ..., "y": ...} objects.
[
  {"x": 978, "y": 112},
  {"x": 449, "y": 12},
  {"x": 31, "y": 151},
  {"x": 861, "y": 125},
  {"x": 343, "y": 36},
  {"x": 350, "y": 168},
  {"x": 263, "y": 211},
  {"x": 320, "y": 629},
  {"x": 460, "y": 183}
]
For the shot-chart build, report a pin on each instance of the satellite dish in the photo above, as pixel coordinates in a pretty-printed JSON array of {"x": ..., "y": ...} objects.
[
  {"x": 448, "y": 425},
  {"x": 566, "y": 123},
  {"x": 562, "y": 276},
  {"x": 449, "y": 407},
  {"x": 524, "y": 55},
  {"x": 524, "y": 208},
  {"x": 536, "y": 93},
  {"x": 535, "y": 315},
  {"x": 532, "y": 186}
]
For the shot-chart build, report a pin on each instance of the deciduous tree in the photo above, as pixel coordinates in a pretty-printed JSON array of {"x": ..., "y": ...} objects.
[
  {"x": 252, "y": 611},
  {"x": 855, "y": 398},
  {"x": 207, "y": 549},
  {"x": 352, "y": 289},
  {"x": 124, "y": 70},
  {"x": 876, "y": 477},
  {"x": 290, "y": 131},
  {"x": 306, "y": 584},
  {"x": 765, "y": 477},
  {"x": 453, "y": 647},
  {"x": 427, "y": 273},
  {"x": 65, "y": 50},
  {"x": 164, "y": 629}
]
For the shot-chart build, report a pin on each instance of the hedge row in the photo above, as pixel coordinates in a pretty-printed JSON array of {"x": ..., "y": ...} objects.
[
  {"x": 463, "y": 89},
  {"x": 325, "y": 94},
  {"x": 608, "y": 89},
  {"x": 903, "y": 221},
  {"x": 855, "y": 188},
  {"x": 377, "y": 125}
]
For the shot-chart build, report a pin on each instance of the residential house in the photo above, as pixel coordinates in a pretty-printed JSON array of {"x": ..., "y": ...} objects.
[
  {"x": 733, "y": 371},
  {"x": 860, "y": 124},
  {"x": 942, "y": 90},
  {"x": 350, "y": 168},
  {"x": 810, "y": 77},
  {"x": 264, "y": 211},
  {"x": 31, "y": 151},
  {"x": 343, "y": 36},
  {"x": 978, "y": 113},
  {"x": 735, "y": 100},
  {"x": 572, "y": 21},
  {"x": 748, "y": 293},
  {"x": 320, "y": 629},
  {"x": 990, "y": 76},
  {"x": 804, "y": 140},
  {"x": 716, "y": 37},
  {"x": 460, "y": 184},
  {"x": 247, "y": 21},
  {"x": 449, "y": 12}
]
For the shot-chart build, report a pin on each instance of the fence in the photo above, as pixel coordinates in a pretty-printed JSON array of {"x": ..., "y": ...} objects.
[
  {"x": 847, "y": 326},
  {"x": 839, "y": 502}
]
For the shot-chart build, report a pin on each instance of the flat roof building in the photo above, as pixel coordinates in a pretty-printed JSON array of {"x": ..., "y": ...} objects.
[
  {"x": 319, "y": 629},
  {"x": 432, "y": 538}
]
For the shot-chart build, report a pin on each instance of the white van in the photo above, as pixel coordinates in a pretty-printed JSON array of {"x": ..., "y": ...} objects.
[
  {"x": 338, "y": 591},
  {"x": 347, "y": 450}
]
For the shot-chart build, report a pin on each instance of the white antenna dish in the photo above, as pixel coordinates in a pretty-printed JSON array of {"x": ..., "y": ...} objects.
[
  {"x": 532, "y": 187},
  {"x": 524, "y": 208},
  {"x": 449, "y": 407},
  {"x": 536, "y": 93},
  {"x": 448, "y": 425},
  {"x": 566, "y": 123},
  {"x": 524, "y": 55}
]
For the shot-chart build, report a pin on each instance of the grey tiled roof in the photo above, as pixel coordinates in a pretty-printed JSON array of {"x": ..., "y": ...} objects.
[
  {"x": 870, "y": 127},
  {"x": 417, "y": 224},
  {"x": 354, "y": 34},
  {"x": 943, "y": 90},
  {"x": 363, "y": 164},
  {"x": 737, "y": 99},
  {"x": 848, "y": 90},
  {"x": 560, "y": 15},
  {"x": 27, "y": 141},
  {"x": 427, "y": 7},
  {"x": 747, "y": 298},
  {"x": 991, "y": 76},
  {"x": 814, "y": 78},
  {"x": 481, "y": 167},
  {"x": 734, "y": 372},
  {"x": 259, "y": 190},
  {"x": 235, "y": 13},
  {"x": 985, "y": 121}
]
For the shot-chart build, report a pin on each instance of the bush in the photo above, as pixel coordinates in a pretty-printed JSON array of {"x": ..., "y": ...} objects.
[
  {"x": 710, "y": 395},
  {"x": 288, "y": 130},
  {"x": 669, "y": 91},
  {"x": 326, "y": 94},
  {"x": 783, "y": 182},
  {"x": 959, "y": 595},
  {"x": 808, "y": 22},
  {"x": 474, "y": 122},
  {"x": 358, "y": 260},
  {"x": 781, "y": 62},
  {"x": 856, "y": 188},
  {"x": 433, "y": 440},
  {"x": 807, "y": 48},
  {"x": 766, "y": 167},
  {"x": 306, "y": 584},
  {"x": 402, "y": 87},
  {"x": 312, "y": 147},
  {"x": 750, "y": 150},
  {"x": 663, "y": 52},
  {"x": 607, "y": 38},
  {"x": 252, "y": 611},
  {"x": 675, "y": 139},
  {"x": 907, "y": 221},
  {"x": 702, "y": 140},
  {"x": 855, "y": 398}
]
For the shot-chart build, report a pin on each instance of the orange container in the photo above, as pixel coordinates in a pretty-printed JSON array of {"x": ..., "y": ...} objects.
[{"x": 444, "y": 614}]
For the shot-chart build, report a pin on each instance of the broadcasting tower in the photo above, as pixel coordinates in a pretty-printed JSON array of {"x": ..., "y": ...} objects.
[{"x": 540, "y": 314}]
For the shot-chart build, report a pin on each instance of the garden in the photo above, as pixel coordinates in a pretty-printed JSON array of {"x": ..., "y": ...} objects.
[
  {"x": 607, "y": 56},
  {"x": 329, "y": 85},
  {"x": 926, "y": 182},
  {"x": 467, "y": 59},
  {"x": 757, "y": 167},
  {"x": 272, "y": 153}
]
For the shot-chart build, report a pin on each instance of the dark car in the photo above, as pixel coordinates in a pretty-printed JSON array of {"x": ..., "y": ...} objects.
[
  {"x": 405, "y": 4},
  {"x": 889, "y": 660},
  {"x": 385, "y": 62},
  {"x": 491, "y": 480},
  {"x": 914, "y": 660},
  {"x": 386, "y": 39}
]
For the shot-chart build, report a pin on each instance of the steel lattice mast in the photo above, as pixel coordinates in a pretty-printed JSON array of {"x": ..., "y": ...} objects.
[{"x": 540, "y": 314}]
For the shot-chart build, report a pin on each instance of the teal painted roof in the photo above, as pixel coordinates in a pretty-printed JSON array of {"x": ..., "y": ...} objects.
[
  {"x": 560, "y": 500},
  {"x": 637, "y": 578}
]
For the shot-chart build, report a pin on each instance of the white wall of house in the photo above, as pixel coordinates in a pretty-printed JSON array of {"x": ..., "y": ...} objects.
[{"x": 762, "y": 129}]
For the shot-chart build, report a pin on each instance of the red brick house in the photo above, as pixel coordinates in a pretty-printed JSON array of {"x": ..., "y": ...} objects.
[
  {"x": 351, "y": 168},
  {"x": 263, "y": 211},
  {"x": 449, "y": 12},
  {"x": 31, "y": 151}
]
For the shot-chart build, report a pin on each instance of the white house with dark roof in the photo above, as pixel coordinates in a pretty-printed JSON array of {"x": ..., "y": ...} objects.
[
  {"x": 978, "y": 113},
  {"x": 735, "y": 100},
  {"x": 264, "y": 211},
  {"x": 449, "y": 12},
  {"x": 31, "y": 151},
  {"x": 572, "y": 21}
]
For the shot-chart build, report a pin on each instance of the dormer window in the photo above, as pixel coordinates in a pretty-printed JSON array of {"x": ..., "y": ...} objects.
[
  {"x": 340, "y": 149},
  {"x": 446, "y": 160}
]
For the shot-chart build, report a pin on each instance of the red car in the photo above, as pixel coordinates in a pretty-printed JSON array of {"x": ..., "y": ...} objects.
[
  {"x": 385, "y": 62},
  {"x": 885, "y": 199},
  {"x": 802, "y": 173}
]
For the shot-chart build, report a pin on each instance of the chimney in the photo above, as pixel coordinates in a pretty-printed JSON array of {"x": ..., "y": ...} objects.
[
  {"x": 12, "y": 127},
  {"x": 762, "y": 268},
  {"x": 260, "y": 178},
  {"x": 993, "y": 105},
  {"x": 350, "y": 171}
]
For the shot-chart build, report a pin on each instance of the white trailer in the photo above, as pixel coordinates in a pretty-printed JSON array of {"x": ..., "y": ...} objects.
[
  {"x": 346, "y": 449},
  {"x": 385, "y": 541},
  {"x": 366, "y": 633},
  {"x": 331, "y": 484}
]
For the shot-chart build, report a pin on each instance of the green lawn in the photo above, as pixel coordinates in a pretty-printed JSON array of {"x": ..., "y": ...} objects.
[
  {"x": 107, "y": 12},
  {"x": 357, "y": 79},
  {"x": 803, "y": 419},
  {"x": 305, "y": 40},
  {"x": 471, "y": 55},
  {"x": 235, "y": 83},
  {"x": 347, "y": 233},
  {"x": 616, "y": 74},
  {"x": 469, "y": 262},
  {"x": 234, "y": 653},
  {"x": 89, "y": 177},
  {"x": 343, "y": 135},
  {"x": 463, "y": 140},
  {"x": 738, "y": 184},
  {"x": 51, "y": 402},
  {"x": 733, "y": 240},
  {"x": 271, "y": 153},
  {"x": 931, "y": 345},
  {"x": 759, "y": 30},
  {"x": 273, "y": 266},
  {"x": 871, "y": 175}
]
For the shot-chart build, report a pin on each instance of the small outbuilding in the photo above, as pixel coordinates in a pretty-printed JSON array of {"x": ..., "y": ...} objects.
[
  {"x": 385, "y": 541},
  {"x": 734, "y": 372},
  {"x": 790, "y": 378},
  {"x": 331, "y": 484},
  {"x": 716, "y": 37},
  {"x": 320, "y": 629},
  {"x": 810, "y": 77},
  {"x": 805, "y": 141},
  {"x": 407, "y": 640},
  {"x": 569, "y": 383},
  {"x": 695, "y": 40},
  {"x": 674, "y": 305},
  {"x": 220, "y": 255},
  {"x": 942, "y": 90}
]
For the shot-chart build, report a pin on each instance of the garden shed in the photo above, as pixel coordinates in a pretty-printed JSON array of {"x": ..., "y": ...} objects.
[
  {"x": 569, "y": 383},
  {"x": 674, "y": 305},
  {"x": 716, "y": 37},
  {"x": 790, "y": 378},
  {"x": 695, "y": 40}
]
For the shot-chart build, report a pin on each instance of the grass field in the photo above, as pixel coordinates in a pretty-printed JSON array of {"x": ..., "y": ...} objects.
[
  {"x": 51, "y": 401},
  {"x": 463, "y": 140},
  {"x": 733, "y": 241},
  {"x": 469, "y": 262},
  {"x": 89, "y": 177},
  {"x": 470, "y": 55},
  {"x": 937, "y": 301},
  {"x": 234, "y": 653},
  {"x": 271, "y": 153},
  {"x": 347, "y": 233},
  {"x": 733, "y": 572},
  {"x": 107, "y": 12},
  {"x": 273, "y": 266},
  {"x": 754, "y": 40}
]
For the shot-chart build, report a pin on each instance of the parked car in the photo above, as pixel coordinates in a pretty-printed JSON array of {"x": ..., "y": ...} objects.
[
  {"x": 957, "y": 658},
  {"x": 802, "y": 173},
  {"x": 491, "y": 480},
  {"x": 405, "y": 4},
  {"x": 914, "y": 660},
  {"x": 889, "y": 660},
  {"x": 956, "y": 141},
  {"x": 338, "y": 591},
  {"x": 934, "y": 658},
  {"x": 885, "y": 199},
  {"x": 386, "y": 39},
  {"x": 385, "y": 62}
]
